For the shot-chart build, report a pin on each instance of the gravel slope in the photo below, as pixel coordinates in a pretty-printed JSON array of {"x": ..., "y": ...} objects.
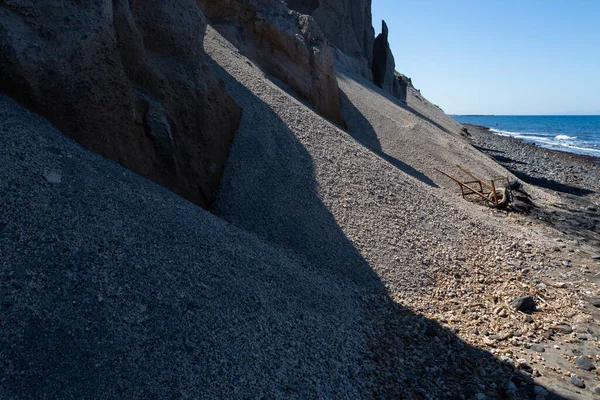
[
  {"x": 302, "y": 286},
  {"x": 416, "y": 137},
  {"x": 107, "y": 278},
  {"x": 309, "y": 188},
  {"x": 303, "y": 184}
]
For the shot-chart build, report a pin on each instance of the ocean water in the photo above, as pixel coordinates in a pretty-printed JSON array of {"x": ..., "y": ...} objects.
[{"x": 573, "y": 133}]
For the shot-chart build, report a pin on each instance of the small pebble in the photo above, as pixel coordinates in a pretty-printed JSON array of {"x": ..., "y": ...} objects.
[
  {"x": 53, "y": 177},
  {"x": 577, "y": 381},
  {"x": 585, "y": 363},
  {"x": 529, "y": 319},
  {"x": 566, "y": 329},
  {"x": 548, "y": 333},
  {"x": 538, "y": 348},
  {"x": 524, "y": 304}
]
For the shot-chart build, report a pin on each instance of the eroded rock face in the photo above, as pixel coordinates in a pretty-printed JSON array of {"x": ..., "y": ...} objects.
[
  {"x": 127, "y": 79},
  {"x": 285, "y": 43},
  {"x": 401, "y": 85},
  {"x": 383, "y": 61},
  {"x": 347, "y": 26}
]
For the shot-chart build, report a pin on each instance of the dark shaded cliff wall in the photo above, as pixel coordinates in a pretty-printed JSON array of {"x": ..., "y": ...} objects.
[{"x": 128, "y": 80}]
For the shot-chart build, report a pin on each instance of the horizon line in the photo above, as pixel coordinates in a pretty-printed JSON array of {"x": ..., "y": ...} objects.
[{"x": 524, "y": 115}]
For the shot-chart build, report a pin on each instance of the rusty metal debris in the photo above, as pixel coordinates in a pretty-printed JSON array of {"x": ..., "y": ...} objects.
[{"x": 497, "y": 193}]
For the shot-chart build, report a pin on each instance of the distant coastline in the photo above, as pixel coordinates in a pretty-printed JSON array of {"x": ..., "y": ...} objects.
[
  {"x": 556, "y": 170},
  {"x": 472, "y": 115},
  {"x": 571, "y": 134}
]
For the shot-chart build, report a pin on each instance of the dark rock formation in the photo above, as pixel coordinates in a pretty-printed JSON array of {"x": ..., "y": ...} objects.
[
  {"x": 384, "y": 67},
  {"x": 285, "y": 43},
  {"x": 127, "y": 79},
  {"x": 400, "y": 86},
  {"x": 383, "y": 61}
]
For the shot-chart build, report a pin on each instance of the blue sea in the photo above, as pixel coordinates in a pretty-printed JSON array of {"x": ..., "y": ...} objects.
[{"x": 574, "y": 133}]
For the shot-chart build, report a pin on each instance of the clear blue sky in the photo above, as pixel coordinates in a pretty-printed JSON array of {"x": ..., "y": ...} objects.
[{"x": 523, "y": 57}]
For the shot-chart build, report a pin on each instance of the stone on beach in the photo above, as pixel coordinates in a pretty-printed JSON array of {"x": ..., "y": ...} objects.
[
  {"x": 524, "y": 304},
  {"x": 585, "y": 363}
]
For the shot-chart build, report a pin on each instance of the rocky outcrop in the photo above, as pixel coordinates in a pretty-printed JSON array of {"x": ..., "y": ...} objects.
[
  {"x": 401, "y": 85},
  {"x": 128, "y": 80},
  {"x": 383, "y": 61},
  {"x": 347, "y": 25},
  {"x": 285, "y": 43},
  {"x": 384, "y": 67}
]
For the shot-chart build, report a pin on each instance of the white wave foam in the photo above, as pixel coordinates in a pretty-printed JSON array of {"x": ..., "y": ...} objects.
[
  {"x": 586, "y": 149},
  {"x": 504, "y": 133},
  {"x": 558, "y": 142},
  {"x": 564, "y": 137}
]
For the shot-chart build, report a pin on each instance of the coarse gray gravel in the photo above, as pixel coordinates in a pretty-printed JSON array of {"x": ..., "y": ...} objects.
[
  {"x": 300, "y": 287},
  {"x": 308, "y": 187},
  {"x": 113, "y": 287},
  {"x": 416, "y": 136},
  {"x": 304, "y": 185}
]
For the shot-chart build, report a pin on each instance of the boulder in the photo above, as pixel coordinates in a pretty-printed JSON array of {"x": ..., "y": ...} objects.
[
  {"x": 383, "y": 61},
  {"x": 127, "y": 79},
  {"x": 285, "y": 43}
]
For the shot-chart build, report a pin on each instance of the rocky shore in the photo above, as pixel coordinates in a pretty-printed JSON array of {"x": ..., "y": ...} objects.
[
  {"x": 555, "y": 344},
  {"x": 550, "y": 169}
]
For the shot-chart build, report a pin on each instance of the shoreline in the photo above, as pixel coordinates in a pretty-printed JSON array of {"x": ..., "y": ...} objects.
[
  {"x": 490, "y": 131},
  {"x": 557, "y": 170}
]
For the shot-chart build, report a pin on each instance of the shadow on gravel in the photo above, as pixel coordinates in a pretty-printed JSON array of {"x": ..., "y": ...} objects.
[
  {"x": 549, "y": 183},
  {"x": 269, "y": 188},
  {"x": 503, "y": 159},
  {"x": 485, "y": 149},
  {"x": 362, "y": 131},
  {"x": 418, "y": 114}
]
